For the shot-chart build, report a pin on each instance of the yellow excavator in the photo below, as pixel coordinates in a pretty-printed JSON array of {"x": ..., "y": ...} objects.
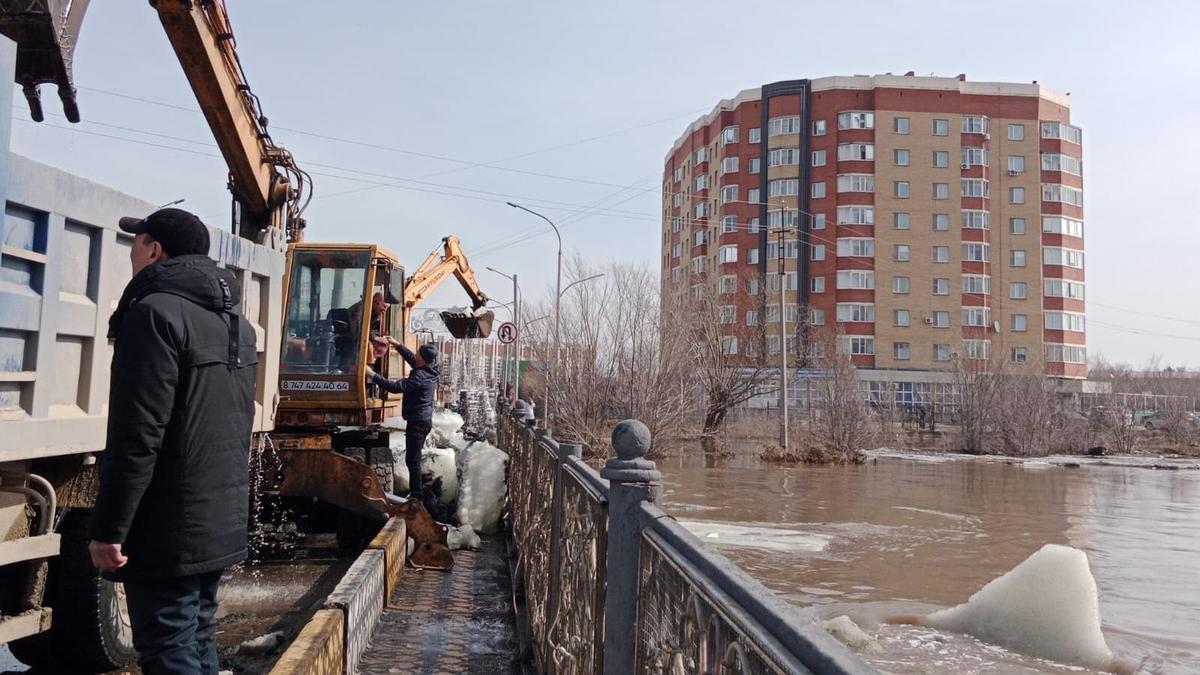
[{"x": 326, "y": 423}]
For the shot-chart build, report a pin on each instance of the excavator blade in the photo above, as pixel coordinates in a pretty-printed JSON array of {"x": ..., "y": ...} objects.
[
  {"x": 351, "y": 485},
  {"x": 469, "y": 324},
  {"x": 45, "y": 32}
]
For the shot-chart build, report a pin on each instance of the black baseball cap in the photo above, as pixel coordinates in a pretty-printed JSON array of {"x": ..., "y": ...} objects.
[{"x": 180, "y": 232}]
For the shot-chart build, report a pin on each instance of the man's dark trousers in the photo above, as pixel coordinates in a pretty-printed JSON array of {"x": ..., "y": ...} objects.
[
  {"x": 174, "y": 624},
  {"x": 414, "y": 443}
]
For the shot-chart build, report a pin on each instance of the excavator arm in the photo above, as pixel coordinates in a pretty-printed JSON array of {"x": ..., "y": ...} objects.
[
  {"x": 267, "y": 185},
  {"x": 439, "y": 264}
]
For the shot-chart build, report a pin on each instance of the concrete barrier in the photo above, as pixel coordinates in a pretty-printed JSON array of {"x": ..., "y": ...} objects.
[
  {"x": 319, "y": 649},
  {"x": 393, "y": 541},
  {"x": 360, "y": 596}
]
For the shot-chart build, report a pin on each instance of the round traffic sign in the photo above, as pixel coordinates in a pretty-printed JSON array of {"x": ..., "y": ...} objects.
[{"x": 507, "y": 333}]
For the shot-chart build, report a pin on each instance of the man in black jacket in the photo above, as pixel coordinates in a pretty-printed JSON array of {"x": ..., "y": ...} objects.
[
  {"x": 170, "y": 514},
  {"x": 417, "y": 407}
]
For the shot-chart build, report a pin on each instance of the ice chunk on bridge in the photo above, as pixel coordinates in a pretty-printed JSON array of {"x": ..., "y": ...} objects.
[
  {"x": 446, "y": 431},
  {"x": 482, "y": 486},
  {"x": 1046, "y": 607},
  {"x": 439, "y": 474}
]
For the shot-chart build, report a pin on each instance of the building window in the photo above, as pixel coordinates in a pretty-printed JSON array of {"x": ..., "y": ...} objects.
[
  {"x": 818, "y": 221},
  {"x": 855, "y": 247},
  {"x": 1019, "y": 323},
  {"x": 901, "y": 253},
  {"x": 1016, "y": 258},
  {"x": 699, "y": 264},
  {"x": 941, "y": 127},
  {"x": 675, "y": 274},
  {"x": 1016, "y": 132},
  {"x": 816, "y": 285},
  {"x": 974, "y": 187},
  {"x": 855, "y": 312},
  {"x": 701, "y": 156},
  {"x": 818, "y": 190},
  {"x": 900, "y": 285},
  {"x": 818, "y": 251},
  {"x": 941, "y": 319},
  {"x": 1018, "y": 355},
  {"x": 1064, "y": 132},
  {"x": 818, "y": 128},
  {"x": 900, "y": 189},
  {"x": 976, "y": 283},
  {"x": 976, "y": 252},
  {"x": 1061, "y": 225},
  {"x": 678, "y": 174},
  {"x": 727, "y": 284},
  {"x": 856, "y": 119},
  {"x": 783, "y": 187},
  {"x": 791, "y": 249},
  {"x": 856, "y": 279},
  {"x": 1055, "y": 161},
  {"x": 974, "y": 124},
  {"x": 900, "y": 125},
  {"x": 941, "y": 286},
  {"x": 1018, "y": 290},
  {"x": 900, "y": 157},
  {"x": 729, "y": 135},
  {"x": 729, "y": 224},
  {"x": 752, "y": 286},
  {"x": 941, "y": 191},
  {"x": 752, "y": 256},
  {"x": 728, "y": 254},
  {"x": 818, "y": 158},
  {"x": 1068, "y": 257},
  {"x": 976, "y": 220},
  {"x": 753, "y": 196},
  {"x": 676, "y": 250},
  {"x": 816, "y": 317},
  {"x": 1066, "y": 353},
  {"x": 700, "y": 182},
  {"x": 784, "y": 157},
  {"x": 783, "y": 218},
  {"x": 900, "y": 351},
  {"x": 855, "y": 215},
  {"x": 1059, "y": 288},
  {"x": 1016, "y": 195},
  {"x": 901, "y": 220},
  {"x": 856, "y": 345},
  {"x": 676, "y": 223},
  {"x": 975, "y": 316},
  {"x": 701, "y": 210},
  {"x": 1016, "y": 163},
  {"x": 941, "y": 254},
  {"x": 777, "y": 126},
  {"x": 900, "y": 317},
  {"x": 974, "y": 156},
  {"x": 754, "y": 135},
  {"x": 941, "y": 352},
  {"x": 678, "y": 199},
  {"x": 728, "y": 314},
  {"x": 1016, "y": 226},
  {"x": 855, "y": 151},
  {"x": 755, "y": 165},
  {"x": 941, "y": 159},
  {"x": 856, "y": 182},
  {"x": 1065, "y": 194},
  {"x": 977, "y": 349},
  {"x": 729, "y": 165},
  {"x": 729, "y": 193},
  {"x": 699, "y": 237},
  {"x": 1065, "y": 321}
]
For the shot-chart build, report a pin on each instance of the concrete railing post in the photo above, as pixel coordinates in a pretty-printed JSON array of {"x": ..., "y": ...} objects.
[{"x": 632, "y": 480}]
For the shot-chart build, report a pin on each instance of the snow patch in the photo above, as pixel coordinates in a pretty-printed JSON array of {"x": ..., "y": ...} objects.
[
  {"x": 462, "y": 537},
  {"x": 262, "y": 644}
]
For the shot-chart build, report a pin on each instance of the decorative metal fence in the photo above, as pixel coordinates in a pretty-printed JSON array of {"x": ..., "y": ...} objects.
[{"x": 612, "y": 584}]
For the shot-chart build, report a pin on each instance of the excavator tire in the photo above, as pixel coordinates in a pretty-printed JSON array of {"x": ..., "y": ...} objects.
[{"x": 90, "y": 629}]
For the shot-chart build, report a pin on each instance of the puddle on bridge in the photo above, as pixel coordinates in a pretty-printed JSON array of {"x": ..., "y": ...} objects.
[{"x": 900, "y": 536}]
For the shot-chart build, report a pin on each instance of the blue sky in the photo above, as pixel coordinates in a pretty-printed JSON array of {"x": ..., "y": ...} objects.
[{"x": 597, "y": 92}]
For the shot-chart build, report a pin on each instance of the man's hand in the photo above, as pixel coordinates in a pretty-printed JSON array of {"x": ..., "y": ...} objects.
[
  {"x": 370, "y": 372},
  {"x": 393, "y": 341},
  {"x": 382, "y": 340},
  {"x": 107, "y": 557}
]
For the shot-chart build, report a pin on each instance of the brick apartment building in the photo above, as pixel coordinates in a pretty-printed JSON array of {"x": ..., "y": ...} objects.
[{"x": 931, "y": 218}]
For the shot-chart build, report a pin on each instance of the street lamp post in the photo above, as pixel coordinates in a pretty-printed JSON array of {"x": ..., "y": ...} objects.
[{"x": 557, "y": 307}]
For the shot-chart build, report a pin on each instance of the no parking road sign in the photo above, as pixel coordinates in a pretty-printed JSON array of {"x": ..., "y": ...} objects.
[{"x": 507, "y": 333}]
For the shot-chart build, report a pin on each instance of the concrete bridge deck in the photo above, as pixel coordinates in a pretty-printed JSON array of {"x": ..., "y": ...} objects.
[{"x": 457, "y": 622}]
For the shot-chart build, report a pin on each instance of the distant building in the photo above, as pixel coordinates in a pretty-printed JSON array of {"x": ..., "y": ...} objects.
[{"x": 930, "y": 218}]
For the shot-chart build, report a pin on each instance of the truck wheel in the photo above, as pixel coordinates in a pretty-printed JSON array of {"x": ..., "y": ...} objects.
[{"x": 90, "y": 628}]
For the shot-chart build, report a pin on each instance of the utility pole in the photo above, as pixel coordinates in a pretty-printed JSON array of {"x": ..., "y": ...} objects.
[
  {"x": 516, "y": 344},
  {"x": 783, "y": 360}
]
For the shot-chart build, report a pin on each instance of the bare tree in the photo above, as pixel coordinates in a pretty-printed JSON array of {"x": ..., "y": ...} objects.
[
  {"x": 1027, "y": 410},
  {"x": 978, "y": 383},
  {"x": 1112, "y": 418},
  {"x": 1177, "y": 392},
  {"x": 842, "y": 422}
]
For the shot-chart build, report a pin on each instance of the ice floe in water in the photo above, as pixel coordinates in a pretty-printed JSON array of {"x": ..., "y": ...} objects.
[
  {"x": 1046, "y": 607},
  {"x": 751, "y": 535},
  {"x": 848, "y": 633}
]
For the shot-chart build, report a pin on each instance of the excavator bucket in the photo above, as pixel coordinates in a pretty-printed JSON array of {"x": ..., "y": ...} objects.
[
  {"x": 45, "y": 32},
  {"x": 469, "y": 324}
]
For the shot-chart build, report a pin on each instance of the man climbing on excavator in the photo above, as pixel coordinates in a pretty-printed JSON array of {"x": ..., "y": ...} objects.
[{"x": 417, "y": 407}]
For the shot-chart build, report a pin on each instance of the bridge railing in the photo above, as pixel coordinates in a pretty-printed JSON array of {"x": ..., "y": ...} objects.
[{"x": 613, "y": 584}]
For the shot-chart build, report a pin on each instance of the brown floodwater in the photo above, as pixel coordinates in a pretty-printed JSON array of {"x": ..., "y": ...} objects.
[{"x": 907, "y": 535}]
